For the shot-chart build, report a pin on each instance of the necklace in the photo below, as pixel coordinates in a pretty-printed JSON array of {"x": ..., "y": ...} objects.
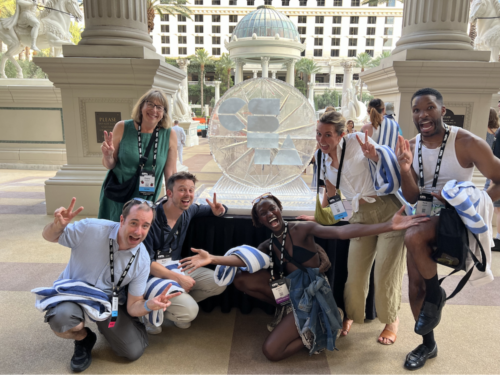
[{"x": 279, "y": 235}]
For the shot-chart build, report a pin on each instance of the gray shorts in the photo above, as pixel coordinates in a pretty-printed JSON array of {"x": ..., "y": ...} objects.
[{"x": 128, "y": 338}]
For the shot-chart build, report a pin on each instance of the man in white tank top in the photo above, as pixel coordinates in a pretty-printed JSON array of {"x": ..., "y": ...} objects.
[{"x": 462, "y": 152}]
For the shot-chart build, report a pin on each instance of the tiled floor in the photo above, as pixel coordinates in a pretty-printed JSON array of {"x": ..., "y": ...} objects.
[{"x": 217, "y": 343}]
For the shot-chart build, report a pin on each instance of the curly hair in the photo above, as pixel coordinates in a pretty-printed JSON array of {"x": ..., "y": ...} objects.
[{"x": 255, "y": 216}]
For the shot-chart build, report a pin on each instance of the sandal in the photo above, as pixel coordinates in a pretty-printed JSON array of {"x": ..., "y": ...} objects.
[
  {"x": 386, "y": 334},
  {"x": 346, "y": 327}
]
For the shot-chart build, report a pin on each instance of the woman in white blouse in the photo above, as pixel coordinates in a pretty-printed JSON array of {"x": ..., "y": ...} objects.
[{"x": 358, "y": 187}]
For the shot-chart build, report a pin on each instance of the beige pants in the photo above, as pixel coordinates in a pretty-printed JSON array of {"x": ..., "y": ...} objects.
[{"x": 390, "y": 259}]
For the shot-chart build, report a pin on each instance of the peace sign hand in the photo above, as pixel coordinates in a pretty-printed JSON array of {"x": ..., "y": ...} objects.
[
  {"x": 217, "y": 208},
  {"x": 162, "y": 301},
  {"x": 63, "y": 216},
  {"x": 368, "y": 148},
  {"x": 107, "y": 147},
  {"x": 405, "y": 157}
]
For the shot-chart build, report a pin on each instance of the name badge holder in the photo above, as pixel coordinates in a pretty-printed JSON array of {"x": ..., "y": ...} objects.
[
  {"x": 279, "y": 287},
  {"x": 164, "y": 257},
  {"x": 335, "y": 202},
  {"x": 116, "y": 289},
  {"x": 425, "y": 200},
  {"x": 147, "y": 177}
]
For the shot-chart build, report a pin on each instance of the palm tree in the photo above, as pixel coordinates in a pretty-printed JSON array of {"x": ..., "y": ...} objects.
[
  {"x": 363, "y": 61},
  {"x": 308, "y": 67},
  {"x": 376, "y": 61},
  {"x": 172, "y": 7},
  {"x": 201, "y": 57},
  {"x": 226, "y": 63}
]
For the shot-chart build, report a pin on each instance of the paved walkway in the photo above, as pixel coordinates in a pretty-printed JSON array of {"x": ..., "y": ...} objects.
[{"x": 217, "y": 343}]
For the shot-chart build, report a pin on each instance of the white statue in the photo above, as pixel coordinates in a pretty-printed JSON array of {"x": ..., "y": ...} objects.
[
  {"x": 181, "y": 110},
  {"x": 353, "y": 108},
  {"x": 486, "y": 15},
  {"x": 25, "y": 29}
]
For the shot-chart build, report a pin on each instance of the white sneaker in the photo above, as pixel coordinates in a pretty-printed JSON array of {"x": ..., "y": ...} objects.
[{"x": 181, "y": 325}]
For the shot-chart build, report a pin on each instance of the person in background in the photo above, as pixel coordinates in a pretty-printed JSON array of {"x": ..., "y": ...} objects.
[
  {"x": 121, "y": 147},
  {"x": 181, "y": 139},
  {"x": 382, "y": 129},
  {"x": 389, "y": 113},
  {"x": 350, "y": 127},
  {"x": 493, "y": 131}
]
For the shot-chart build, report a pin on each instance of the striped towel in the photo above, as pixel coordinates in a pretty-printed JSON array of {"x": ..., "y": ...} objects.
[
  {"x": 156, "y": 286},
  {"x": 254, "y": 260},
  {"x": 389, "y": 131},
  {"x": 386, "y": 176},
  {"x": 94, "y": 302},
  {"x": 475, "y": 208}
]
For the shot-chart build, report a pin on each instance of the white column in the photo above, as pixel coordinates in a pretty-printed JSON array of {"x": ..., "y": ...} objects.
[
  {"x": 435, "y": 24},
  {"x": 265, "y": 66},
  {"x": 238, "y": 71},
  {"x": 311, "y": 93},
  {"x": 273, "y": 74},
  {"x": 183, "y": 65},
  {"x": 332, "y": 77},
  {"x": 217, "y": 92},
  {"x": 290, "y": 73},
  {"x": 255, "y": 71}
]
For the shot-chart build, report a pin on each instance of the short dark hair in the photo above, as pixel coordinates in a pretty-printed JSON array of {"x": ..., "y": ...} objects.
[
  {"x": 176, "y": 122},
  {"x": 255, "y": 216},
  {"x": 428, "y": 91},
  {"x": 142, "y": 206},
  {"x": 180, "y": 176}
]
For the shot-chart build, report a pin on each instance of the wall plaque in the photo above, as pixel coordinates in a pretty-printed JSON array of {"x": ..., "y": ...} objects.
[
  {"x": 106, "y": 121},
  {"x": 454, "y": 120}
]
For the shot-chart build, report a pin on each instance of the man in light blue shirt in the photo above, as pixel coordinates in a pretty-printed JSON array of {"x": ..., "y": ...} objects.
[
  {"x": 181, "y": 139},
  {"x": 108, "y": 256}
]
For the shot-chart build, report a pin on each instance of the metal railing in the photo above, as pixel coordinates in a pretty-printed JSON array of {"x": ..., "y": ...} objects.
[{"x": 207, "y": 83}]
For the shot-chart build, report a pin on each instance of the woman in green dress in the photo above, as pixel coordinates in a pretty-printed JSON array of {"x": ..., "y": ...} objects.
[{"x": 120, "y": 149}]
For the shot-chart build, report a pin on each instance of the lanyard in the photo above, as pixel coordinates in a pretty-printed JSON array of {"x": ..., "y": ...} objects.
[
  {"x": 439, "y": 159},
  {"x": 174, "y": 231},
  {"x": 282, "y": 251},
  {"x": 112, "y": 269},
  {"x": 139, "y": 141},
  {"x": 340, "y": 164}
]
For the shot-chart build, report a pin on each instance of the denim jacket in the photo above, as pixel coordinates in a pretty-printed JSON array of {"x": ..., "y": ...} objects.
[{"x": 314, "y": 308}]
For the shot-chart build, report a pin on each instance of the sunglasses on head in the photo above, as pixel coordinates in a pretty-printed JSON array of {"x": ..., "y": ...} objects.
[
  {"x": 261, "y": 197},
  {"x": 149, "y": 203}
]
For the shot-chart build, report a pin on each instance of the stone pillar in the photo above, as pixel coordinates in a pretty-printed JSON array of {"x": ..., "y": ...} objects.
[
  {"x": 273, "y": 74},
  {"x": 255, "y": 71},
  {"x": 435, "y": 24},
  {"x": 331, "y": 85},
  {"x": 183, "y": 65},
  {"x": 265, "y": 66},
  {"x": 433, "y": 51},
  {"x": 217, "y": 92},
  {"x": 100, "y": 81},
  {"x": 238, "y": 71},
  {"x": 347, "y": 65},
  {"x": 290, "y": 72},
  {"x": 311, "y": 94}
]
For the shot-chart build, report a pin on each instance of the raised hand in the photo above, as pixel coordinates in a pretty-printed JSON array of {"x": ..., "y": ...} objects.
[
  {"x": 196, "y": 261},
  {"x": 162, "y": 301},
  {"x": 63, "y": 216},
  {"x": 404, "y": 155},
  {"x": 107, "y": 147},
  {"x": 400, "y": 222},
  {"x": 368, "y": 148},
  {"x": 217, "y": 208}
]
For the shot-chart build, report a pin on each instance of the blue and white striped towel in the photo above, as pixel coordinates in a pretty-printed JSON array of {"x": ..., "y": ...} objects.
[
  {"x": 475, "y": 208},
  {"x": 156, "y": 286},
  {"x": 389, "y": 131},
  {"x": 94, "y": 302},
  {"x": 386, "y": 175},
  {"x": 254, "y": 260}
]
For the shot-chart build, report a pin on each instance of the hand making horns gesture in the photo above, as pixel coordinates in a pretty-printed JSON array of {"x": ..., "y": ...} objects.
[
  {"x": 107, "y": 147},
  {"x": 63, "y": 216},
  {"x": 217, "y": 208}
]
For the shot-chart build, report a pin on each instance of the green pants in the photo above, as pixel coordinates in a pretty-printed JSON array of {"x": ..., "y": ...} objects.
[{"x": 390, "y": 258}]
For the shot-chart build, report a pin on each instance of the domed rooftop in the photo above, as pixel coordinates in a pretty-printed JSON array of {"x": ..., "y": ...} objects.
[{"x": 266, "y": 21}]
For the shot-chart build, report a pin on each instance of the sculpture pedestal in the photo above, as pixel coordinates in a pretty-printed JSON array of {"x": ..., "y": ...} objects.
[{"x": 191, "y": 130}]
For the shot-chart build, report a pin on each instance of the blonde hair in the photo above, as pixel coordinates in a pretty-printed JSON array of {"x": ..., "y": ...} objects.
[
  {"x": 165, "y": 122},
  {"x": 375, "y": 109},
  {"x": 335, "y": 119}
]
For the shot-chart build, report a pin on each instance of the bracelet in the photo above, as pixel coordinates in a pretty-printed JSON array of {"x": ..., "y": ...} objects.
[{"x": 146, "y": 306}]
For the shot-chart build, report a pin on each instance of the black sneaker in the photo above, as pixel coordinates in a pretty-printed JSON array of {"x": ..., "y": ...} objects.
[
  {"x": 496, "y": 246},
  {"x": 82, "y": 358}
]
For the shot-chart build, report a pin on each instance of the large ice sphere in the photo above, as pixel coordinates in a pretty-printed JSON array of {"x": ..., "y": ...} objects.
[{"x": 272, "y": 145}]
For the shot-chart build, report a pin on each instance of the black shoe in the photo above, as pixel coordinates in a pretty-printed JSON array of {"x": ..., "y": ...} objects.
[
  {"x": 417, "y": 357},
  {"x": 496, "y": 246},
  {"x": 82, "y": 358},
  {"x": 430, "y": 315}
]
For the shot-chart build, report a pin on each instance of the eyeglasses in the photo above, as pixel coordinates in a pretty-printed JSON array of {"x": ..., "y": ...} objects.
[
  {"x": 151, "y": 105},
  {"x": 261, "y": 197},
  {"x": 149, "y": 203}
]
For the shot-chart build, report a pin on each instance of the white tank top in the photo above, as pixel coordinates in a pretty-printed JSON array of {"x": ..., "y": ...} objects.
[
  {"x": 376, "y": 133},
  {"x": 450, "y": 167}
]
